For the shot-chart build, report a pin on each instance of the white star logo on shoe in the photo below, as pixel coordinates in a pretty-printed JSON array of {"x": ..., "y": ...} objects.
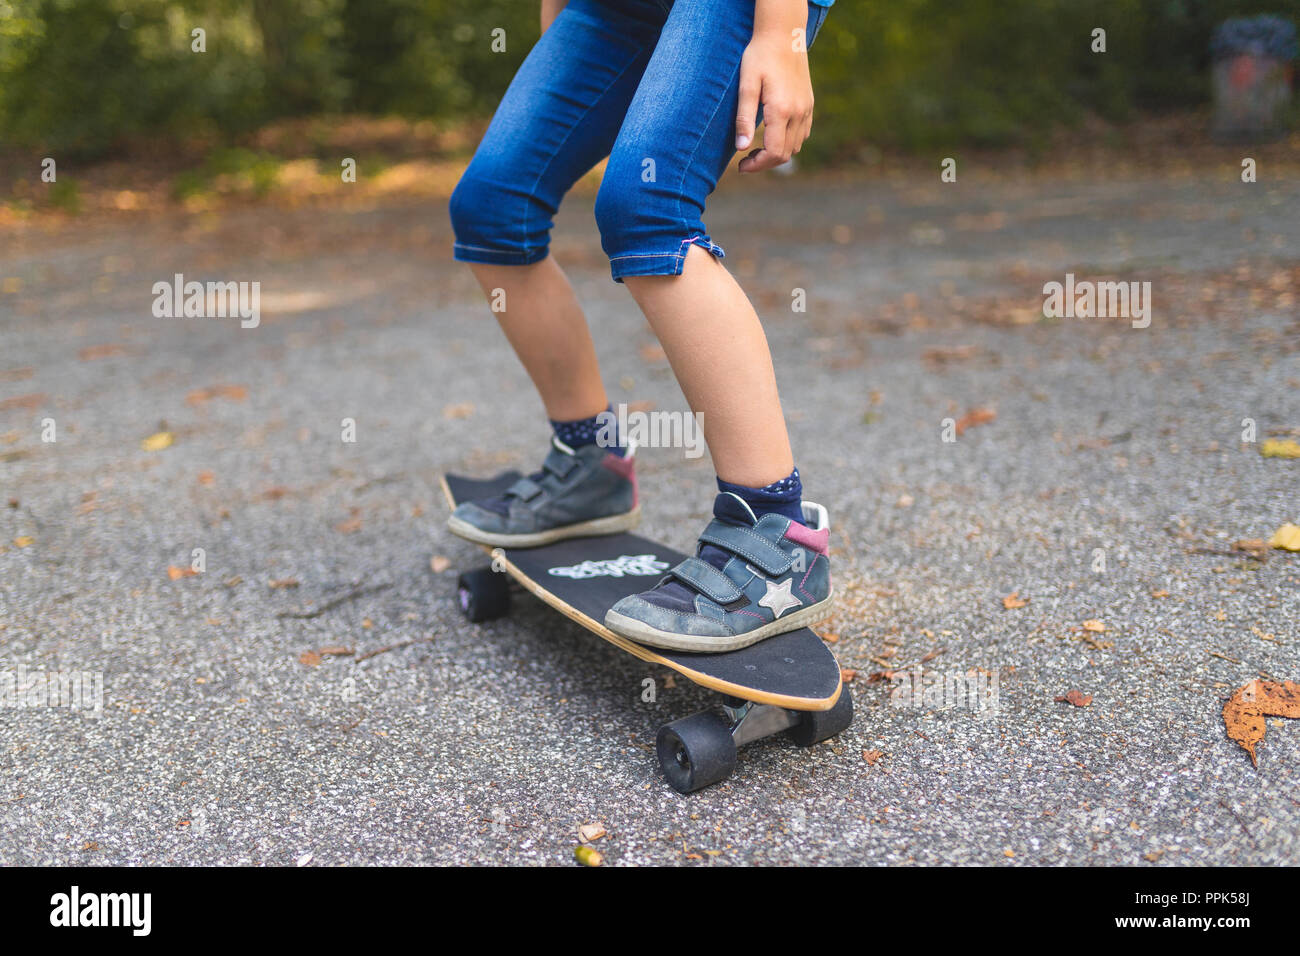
[{"x": 778, "y": 598}]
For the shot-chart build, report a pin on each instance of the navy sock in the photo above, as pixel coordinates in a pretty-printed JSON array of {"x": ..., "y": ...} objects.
[
  {"x": 782, "y": 497},
  {"x": 590, "y": 431}
]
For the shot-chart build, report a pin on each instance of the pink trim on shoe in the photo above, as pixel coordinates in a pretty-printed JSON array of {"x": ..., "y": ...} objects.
[
  {"x": 626, "y": 468},
  {"x": 803, "y": 535}
]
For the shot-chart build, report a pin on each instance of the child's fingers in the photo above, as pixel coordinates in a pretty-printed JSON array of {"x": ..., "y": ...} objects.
[{"x": 747, "y": 110}]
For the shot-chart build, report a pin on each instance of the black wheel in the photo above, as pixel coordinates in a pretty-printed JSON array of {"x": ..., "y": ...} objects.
[
  {"x": 817, "y": 725},
  {"x": 696, "y": 751},
  {"x": 483, "y": 594}
]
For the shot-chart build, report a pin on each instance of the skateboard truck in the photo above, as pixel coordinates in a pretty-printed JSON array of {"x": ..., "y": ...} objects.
[{"x": 700, "y": 750}]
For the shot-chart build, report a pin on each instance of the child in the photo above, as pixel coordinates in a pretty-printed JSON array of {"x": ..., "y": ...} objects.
[{"x": 668, "y": 90}]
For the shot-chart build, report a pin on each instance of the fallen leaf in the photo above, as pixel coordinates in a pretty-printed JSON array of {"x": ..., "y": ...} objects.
[
  {"x": 462, "y": 410},
  {"x": 1286, "y": 537},
  {"x": 206, "y": 477},
  {"x": 1162, "y": 593},
  {"x": 439, "y": 563},
  {"x": 976, "y": 416},
  {"x": 1013, "y": 601},
  {"x": 590, "y": 832},
  {"x": 847, "y": 674},
  {"x": 1095, "y": 626},
  {"x": 1280, "y": 448},
  {"x": 23, "y": 541},
  {"x": 1244, "y": 713},
  {"x": 174, "y": 573},
  {"x": 587, "y": 856},
  {"x": 283, "y": 584},
  {"x": 309, "y": 659},
  {"x": 336, "y": 651},
  {"x": 92, "y": 352},
  {"x": 349, "y": 526},
  {"x": 200, "y": 396},
  {"x": 158, "y": 441},
  {"x": 1076, "y": 697},
  {"x": 29, "y": 402},
  {"x": 871, "y": 756}
]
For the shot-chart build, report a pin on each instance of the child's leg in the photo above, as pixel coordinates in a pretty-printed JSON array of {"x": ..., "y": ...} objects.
[
  {"x": 548, "y": 332},
  {"x": 559, "y": 118},
  {"x": 718, "y": 352},
  {"x": 762, "y": 566}
]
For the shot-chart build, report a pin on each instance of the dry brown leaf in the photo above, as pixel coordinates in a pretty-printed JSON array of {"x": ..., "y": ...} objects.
[
  {"x": 439, "y": 563},
  {"x": 309, "y": 659},
  {"x": 871, "y": 756},
  {"x": 200, "y": 396},
  {"x": 92, "y": 352},
  {"x": 1014, "y": 600},
  {"x": 847, "y": 674},
  {"x": 590, "y": 832},
  {"x": 1095, "y": 626},
  {"x": 350, "y": 526},
  {"x": 174, "y": 572},
  {"x": 1161, "y": 593},
  {"x": 23, "y": 541},
  {"x": 976, "y": 416},
  {"x": 461, "y": 410},
  {"x": 206, "y": 477},
  {"x": 28, "y": 402},
  {"x": 1076, "y": 697},
  {"x": 1244, "y": 713},
  {"x": 281, "y": 584}
]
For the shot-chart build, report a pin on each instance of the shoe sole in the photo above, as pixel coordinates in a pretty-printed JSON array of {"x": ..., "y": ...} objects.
[
  {"x": 643, "y": 633},
  {"x": 614, "y": 524}
]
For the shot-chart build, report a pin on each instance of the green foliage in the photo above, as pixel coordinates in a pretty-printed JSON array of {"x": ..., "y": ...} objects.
[
  {"x": 233, "y": 170},
  {"x": 85, "y": 76}
]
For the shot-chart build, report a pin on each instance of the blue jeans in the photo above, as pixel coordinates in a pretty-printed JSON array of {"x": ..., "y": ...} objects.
[{"x": 653, "y": 85}]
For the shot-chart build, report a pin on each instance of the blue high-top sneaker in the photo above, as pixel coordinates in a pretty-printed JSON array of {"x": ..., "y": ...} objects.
[
  {"x": 578, "y": 491},
  {"x": 751, "y": 578}
]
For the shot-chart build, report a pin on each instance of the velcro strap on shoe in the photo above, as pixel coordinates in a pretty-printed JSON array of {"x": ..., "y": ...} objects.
[
  {"x": 559, "y": 464},
  {"x": 525, "y": 489},
  {"x": 707, "y": 579},
  {"x": 748, "y": 544}
]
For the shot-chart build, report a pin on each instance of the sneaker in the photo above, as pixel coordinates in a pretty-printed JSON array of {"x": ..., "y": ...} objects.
[
  {"x": 751, "y": 578},
  {"x": 578, "y": 492}
]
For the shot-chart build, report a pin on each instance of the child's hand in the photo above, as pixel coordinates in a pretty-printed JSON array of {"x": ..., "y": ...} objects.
[{"x": 774, "y": 72}]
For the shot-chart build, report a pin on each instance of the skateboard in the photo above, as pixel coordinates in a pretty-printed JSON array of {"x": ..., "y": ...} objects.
[{"x": 787, "y": 683}]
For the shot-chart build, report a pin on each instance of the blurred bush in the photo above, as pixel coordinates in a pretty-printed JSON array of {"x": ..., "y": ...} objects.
[{"x": 87, "y": 76}]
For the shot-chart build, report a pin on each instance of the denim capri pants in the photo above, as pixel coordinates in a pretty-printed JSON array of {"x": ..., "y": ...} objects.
[{"x": 653, "y": 85}]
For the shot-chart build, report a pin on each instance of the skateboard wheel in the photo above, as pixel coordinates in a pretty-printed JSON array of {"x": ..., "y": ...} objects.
[
  {"x": 483, "y": 594},
  {"x": 817, "y": 725},
  {"x": 696, "y": 751}
]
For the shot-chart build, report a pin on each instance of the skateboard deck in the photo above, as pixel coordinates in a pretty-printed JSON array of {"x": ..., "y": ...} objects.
[{"x": 583, "y": 577}]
